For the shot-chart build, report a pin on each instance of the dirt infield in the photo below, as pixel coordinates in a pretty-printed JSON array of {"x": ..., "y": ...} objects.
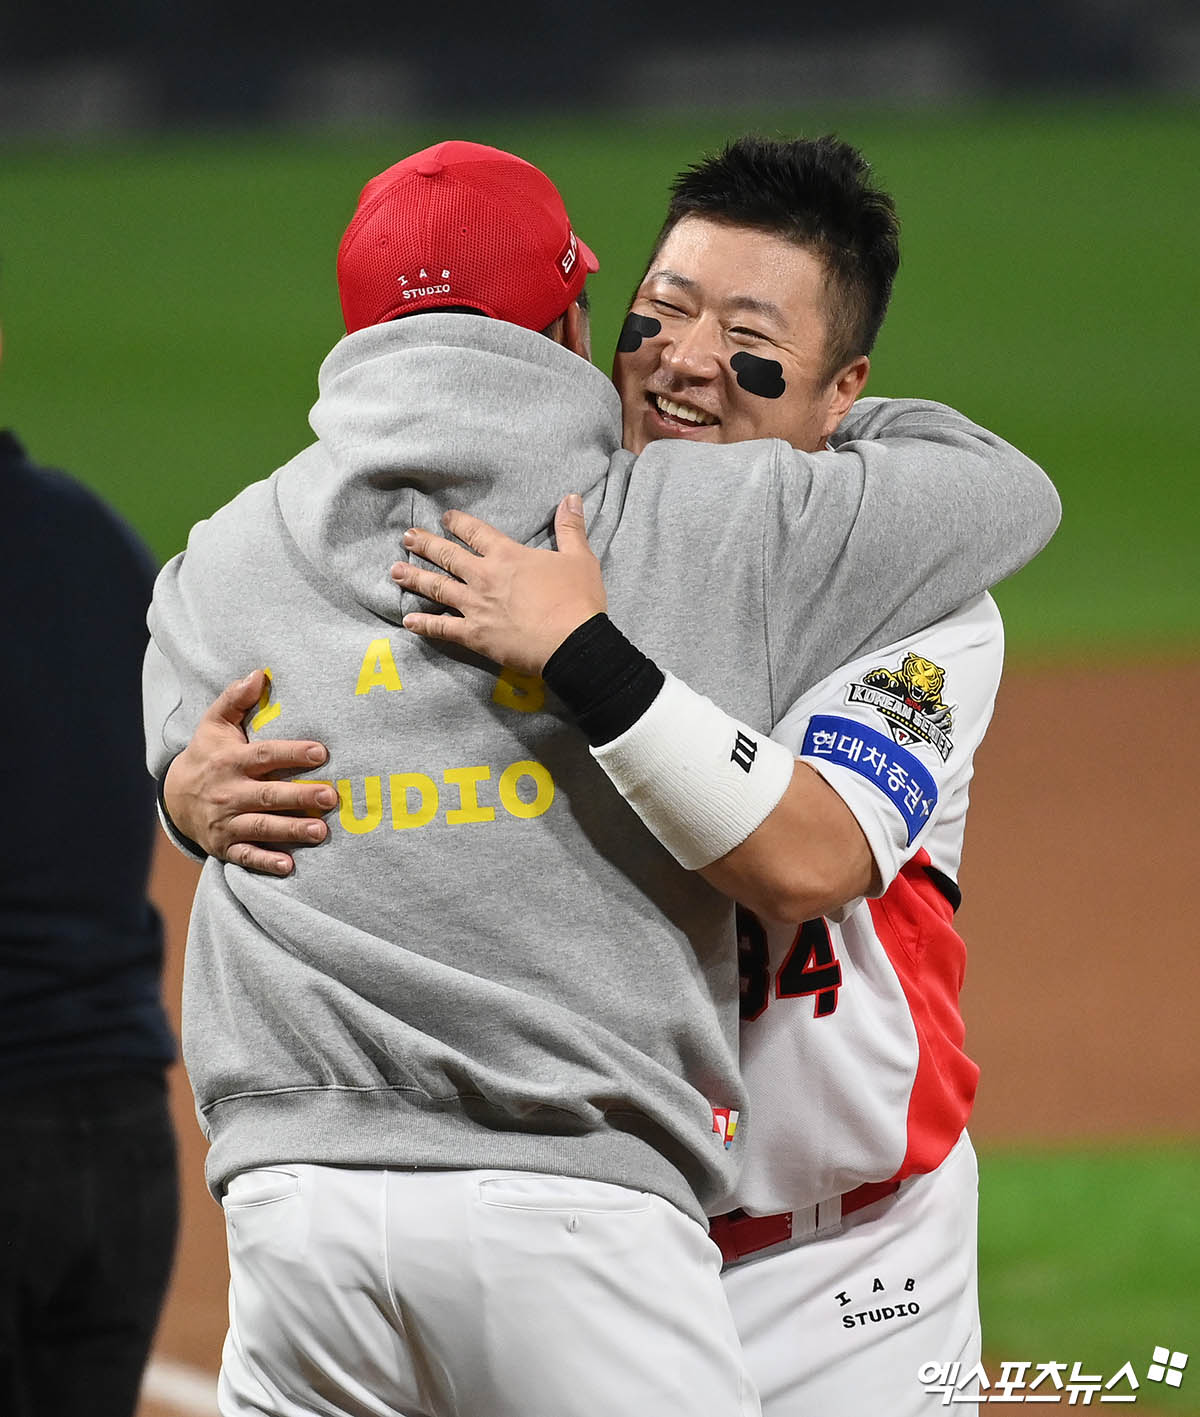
[
  {"x": 1082, "y": 983},
  {"x": 1082, "y": 990}
]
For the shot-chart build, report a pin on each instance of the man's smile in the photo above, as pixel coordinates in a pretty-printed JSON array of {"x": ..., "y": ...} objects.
[{"x": 674, "y": 414}]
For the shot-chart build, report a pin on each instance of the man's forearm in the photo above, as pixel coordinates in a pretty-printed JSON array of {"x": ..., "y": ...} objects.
[
  {"x": 808, "y": 857},
  {"x": 725, "y": 801}
]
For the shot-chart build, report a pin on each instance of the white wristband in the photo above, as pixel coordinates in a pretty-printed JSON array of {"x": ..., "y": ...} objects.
[{"x": 700, "y": 780}]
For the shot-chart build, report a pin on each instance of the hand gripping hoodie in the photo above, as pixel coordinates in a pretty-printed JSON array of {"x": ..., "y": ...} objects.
[{"x": 490, "y": 962}]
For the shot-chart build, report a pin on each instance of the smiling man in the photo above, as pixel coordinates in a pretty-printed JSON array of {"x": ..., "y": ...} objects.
[
  {"x": 850, "y": 1247},
  {"x": 701, "y": 310},
  {"x": 587, "y": 1042}
]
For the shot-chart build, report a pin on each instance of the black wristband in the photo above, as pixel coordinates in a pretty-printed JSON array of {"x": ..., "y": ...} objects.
[
  {"x": 603, "y": 679},
  {"x": 185, "y": 841}
]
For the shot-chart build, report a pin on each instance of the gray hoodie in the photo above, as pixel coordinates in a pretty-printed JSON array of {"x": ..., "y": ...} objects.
[{"x": 490, "y": 962}]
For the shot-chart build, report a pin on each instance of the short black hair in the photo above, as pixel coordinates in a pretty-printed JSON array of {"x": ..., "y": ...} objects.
[{"x": 816, "y": 192}]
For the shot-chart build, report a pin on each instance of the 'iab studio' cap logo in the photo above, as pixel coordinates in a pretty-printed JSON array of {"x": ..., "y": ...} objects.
[
  {"x": 910, "y": 699},
  {"x": 417, "y": 292}
]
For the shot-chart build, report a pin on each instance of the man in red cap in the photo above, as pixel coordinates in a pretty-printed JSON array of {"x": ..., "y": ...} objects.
[
  {"x": 469, "y": 1073},
  {"x": 497, "y": 226}
]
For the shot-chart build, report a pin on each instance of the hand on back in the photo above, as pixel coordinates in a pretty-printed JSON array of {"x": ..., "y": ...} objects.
[
  {"x": 222, "y": 793},
  {"x": 514, "y": 604}
]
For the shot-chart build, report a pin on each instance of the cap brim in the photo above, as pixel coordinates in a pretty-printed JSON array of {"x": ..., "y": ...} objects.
[{"x": 589, "y": 259}]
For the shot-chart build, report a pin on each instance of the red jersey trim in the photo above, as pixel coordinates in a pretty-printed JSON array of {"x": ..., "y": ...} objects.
[{"x": 913, "y": 920}]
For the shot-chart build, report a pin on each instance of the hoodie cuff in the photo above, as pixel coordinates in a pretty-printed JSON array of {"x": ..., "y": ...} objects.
[{"x": 603, "y": 679}]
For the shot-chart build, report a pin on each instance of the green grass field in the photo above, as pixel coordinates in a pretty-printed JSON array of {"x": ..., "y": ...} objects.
[
  {"x": 1093, "y": 1256},
  {"x": 166, "y": 305}
]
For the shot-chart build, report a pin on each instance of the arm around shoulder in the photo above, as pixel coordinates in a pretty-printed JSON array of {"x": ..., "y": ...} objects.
[
  {"x": 992, "y": 484},
  {"x": 913, "y": 511}
]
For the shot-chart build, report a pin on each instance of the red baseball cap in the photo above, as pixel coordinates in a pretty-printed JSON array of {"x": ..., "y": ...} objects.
[{"x": 461, "y": 224}]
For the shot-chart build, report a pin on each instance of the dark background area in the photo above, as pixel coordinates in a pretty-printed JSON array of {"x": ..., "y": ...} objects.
[{"x": 68, "y": 68}]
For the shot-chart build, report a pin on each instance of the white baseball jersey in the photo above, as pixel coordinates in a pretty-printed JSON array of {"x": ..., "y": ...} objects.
[{"x": 852, "y": 1037}]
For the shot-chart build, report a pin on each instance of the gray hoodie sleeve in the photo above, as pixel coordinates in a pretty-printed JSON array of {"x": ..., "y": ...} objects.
[
  {"x": 202, "y": 615},
  {"x": 914, "y": 510},
  {"x": 163, "y": 698},
  {"x": 162, "y": 691},
  {"x": 184, "y": 669}
]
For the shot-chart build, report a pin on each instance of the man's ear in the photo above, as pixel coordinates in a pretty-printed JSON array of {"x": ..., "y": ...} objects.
[
  {"x": 848, "y": 383},
  {"x": 577, "y": 331}
]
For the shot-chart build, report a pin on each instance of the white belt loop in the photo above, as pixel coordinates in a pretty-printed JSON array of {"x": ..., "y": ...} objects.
[
  {"x": 806, "y": 1223},
  {"x": 828, "y": 1215}
]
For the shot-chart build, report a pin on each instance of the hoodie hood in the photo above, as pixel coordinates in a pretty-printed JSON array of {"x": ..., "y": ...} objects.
[{"x": 432, "y": 412}]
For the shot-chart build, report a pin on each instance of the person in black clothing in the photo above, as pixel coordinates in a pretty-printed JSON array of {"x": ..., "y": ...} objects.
[{"x": 88, "y": 1190}]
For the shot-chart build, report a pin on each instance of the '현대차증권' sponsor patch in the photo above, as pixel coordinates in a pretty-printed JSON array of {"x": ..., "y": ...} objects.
[
  {"x": 905, "y": 781},
  {"x": 910, "y": 699}
]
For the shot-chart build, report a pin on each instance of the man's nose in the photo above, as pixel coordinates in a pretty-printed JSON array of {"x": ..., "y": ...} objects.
[{"x": 693, "y": 351}]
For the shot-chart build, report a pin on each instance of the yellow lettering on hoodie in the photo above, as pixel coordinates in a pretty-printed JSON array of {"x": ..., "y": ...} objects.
[
  {"x": 401, "y": 783},
  {"x": 266, "y": 710},
  {"x": 524, "y": 692},
  {"x": 373, "y": 795},
  {"x": 378, "y": 669},
  {"x": 467, "y": 781},
  {"x": 513, "y": 804}
]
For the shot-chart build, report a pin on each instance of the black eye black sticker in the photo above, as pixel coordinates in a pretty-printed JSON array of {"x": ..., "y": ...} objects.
[
  {"x": 763, "y": 377},
  {"x": 635, "y": 329}
]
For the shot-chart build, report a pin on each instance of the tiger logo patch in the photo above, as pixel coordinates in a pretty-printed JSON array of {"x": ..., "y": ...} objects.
[{"x": 910, "y": 700}]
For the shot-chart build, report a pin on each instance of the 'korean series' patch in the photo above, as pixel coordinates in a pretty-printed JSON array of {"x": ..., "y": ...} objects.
[
  {"x": 910, "y": 699},
  {"x": 905, "y": 781}
]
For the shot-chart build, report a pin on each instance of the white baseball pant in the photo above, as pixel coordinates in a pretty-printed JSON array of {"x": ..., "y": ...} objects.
[
  {"x": 841, "y": 1323},
  {"x": 470, "y": 1294}
]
